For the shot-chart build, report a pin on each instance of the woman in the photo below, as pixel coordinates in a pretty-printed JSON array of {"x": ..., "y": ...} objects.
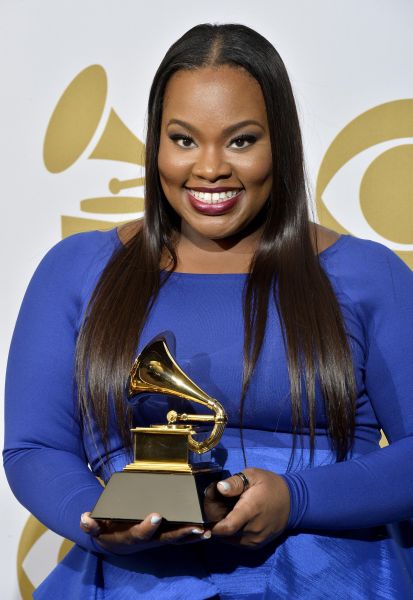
[{"x": 303, "y": 335}]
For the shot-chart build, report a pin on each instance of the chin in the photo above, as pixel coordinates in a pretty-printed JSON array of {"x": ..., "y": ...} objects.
[{"x": 218, "y": 233}]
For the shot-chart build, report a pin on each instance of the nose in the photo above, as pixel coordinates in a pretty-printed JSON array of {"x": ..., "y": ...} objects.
[{"x": 211, "y": 165}]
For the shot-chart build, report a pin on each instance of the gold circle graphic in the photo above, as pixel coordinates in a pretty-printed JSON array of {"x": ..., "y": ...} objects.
[
  {"x": 385, "y": 193},
  {"x": 32, "y": 532}
]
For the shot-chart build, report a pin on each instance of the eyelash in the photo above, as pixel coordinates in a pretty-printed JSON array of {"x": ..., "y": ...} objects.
[{"x": 245, "y": 137}]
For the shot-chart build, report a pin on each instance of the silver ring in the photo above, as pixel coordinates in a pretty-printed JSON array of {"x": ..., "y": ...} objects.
[{"x": 244, "y": 480}]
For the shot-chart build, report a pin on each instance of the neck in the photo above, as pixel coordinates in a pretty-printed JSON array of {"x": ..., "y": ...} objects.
[{"x": 197, "y": 254}]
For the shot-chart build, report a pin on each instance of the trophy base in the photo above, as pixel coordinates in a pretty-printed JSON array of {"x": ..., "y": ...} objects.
[{"x": 178, "y": 497}]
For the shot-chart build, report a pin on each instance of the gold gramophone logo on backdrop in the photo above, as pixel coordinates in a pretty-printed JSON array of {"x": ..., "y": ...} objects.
[
  {"x": 384, "y": 197},
  {"x": 71, "y": 133}
]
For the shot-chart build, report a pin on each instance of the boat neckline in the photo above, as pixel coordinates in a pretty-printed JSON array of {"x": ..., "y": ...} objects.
[{"x": 330, "y": 249}]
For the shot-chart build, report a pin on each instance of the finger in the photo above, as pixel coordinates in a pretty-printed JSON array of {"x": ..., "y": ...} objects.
[
  {"x": 89, "y": 525},
  {"x": 128, "y": 533},
  {"x": 145, "y": 530},
  {"x": 216, "y": 506},
  {"x": 235, "y": 521},
  {"x": 188, "y": 533},
  {"x": 233, "y": 486},
  {"x": 210, "y": 492}
]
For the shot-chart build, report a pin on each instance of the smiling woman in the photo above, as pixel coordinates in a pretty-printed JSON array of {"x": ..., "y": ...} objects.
[
  {"x": 303, "y": 336},
  {"x": 215, "y": 161}
]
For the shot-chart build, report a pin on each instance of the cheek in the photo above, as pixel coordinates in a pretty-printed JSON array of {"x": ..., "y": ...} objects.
[
  {"x": 256, "y": 169},
  {"x": 172, "y": 165}
]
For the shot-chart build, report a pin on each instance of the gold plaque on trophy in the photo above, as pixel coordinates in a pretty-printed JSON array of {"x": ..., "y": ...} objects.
[{"x": 162, "y": 477}]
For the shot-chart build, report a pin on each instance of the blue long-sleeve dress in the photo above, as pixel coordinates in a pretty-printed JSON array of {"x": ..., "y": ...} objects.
[{"x": 335, "y": 545}]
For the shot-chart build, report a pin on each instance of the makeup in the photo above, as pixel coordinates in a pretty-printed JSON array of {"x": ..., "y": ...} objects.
[{"x": 207, "y": 204}]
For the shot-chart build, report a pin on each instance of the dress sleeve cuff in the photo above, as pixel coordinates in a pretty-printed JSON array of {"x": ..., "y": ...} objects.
[{"x": 298, "y": 499}]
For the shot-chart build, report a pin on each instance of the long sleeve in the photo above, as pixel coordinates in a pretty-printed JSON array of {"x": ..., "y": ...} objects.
[
  {"x": 44, "y": 457},
  {"x": 375, "y": 488}
]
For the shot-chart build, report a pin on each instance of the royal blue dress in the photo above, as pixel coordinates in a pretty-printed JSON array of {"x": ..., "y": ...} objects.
[{"x": 334, "y": 545}]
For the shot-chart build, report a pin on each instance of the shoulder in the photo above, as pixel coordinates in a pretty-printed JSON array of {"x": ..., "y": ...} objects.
[
  {"x": 84, "y": 246},
  {"x": 71, "y": 268},
  {"x": 76, "y": 253},
  {"x": 361, "y": 255},
  {"x": 367, "y": 270}
]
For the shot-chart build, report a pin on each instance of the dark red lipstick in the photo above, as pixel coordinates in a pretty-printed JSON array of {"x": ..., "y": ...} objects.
[{"x": 220, "y": 208}]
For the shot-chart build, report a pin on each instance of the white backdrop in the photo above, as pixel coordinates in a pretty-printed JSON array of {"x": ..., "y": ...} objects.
[{"x": 344, "y": 59}]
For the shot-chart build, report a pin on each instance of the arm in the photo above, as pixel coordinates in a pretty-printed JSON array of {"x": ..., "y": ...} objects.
[
  {"x": 376, "y": 488},
  {"x": 44, "y": 458},
  {"x": 369, "y": 490}
]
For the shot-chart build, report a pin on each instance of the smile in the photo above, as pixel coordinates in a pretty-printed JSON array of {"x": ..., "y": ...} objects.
[
  {"x": 214, "y": 197},
  {"x": 214, "y": 203}
]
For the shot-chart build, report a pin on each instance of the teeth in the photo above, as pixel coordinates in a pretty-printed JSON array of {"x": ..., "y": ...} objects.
[{"x": 215, "y": 197}]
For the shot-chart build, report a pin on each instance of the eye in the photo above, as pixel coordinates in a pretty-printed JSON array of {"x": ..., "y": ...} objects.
[
  {"x": 243, "y": 141},
  {"x": 183, "y": 141}
]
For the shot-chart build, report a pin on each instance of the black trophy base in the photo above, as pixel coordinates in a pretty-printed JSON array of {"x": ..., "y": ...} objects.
[{"x": 178, "y": 497}]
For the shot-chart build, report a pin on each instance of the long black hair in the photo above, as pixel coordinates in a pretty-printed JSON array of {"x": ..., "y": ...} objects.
[{"x": 285, "y": 265}]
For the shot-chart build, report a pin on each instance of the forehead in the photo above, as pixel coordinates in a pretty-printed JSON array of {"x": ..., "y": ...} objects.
[{"x": 224, "y": 93}]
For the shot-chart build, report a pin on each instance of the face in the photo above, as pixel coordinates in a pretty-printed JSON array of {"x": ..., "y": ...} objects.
[{"x": 215, "y": 154}]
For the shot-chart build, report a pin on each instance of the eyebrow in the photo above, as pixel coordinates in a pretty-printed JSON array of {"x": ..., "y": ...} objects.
[{"x": 227, "y": 130}]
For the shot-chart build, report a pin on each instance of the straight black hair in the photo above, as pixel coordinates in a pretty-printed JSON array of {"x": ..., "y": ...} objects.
[{"x": 285, "y": 266}]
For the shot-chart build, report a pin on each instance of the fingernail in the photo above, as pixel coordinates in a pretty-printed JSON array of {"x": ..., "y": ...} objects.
[
  {"x": 207, "y": 488},
  {"x": 207, "y": 535},
  {"x": 155, "y": 519},
  {"x": 197, "y": 531},
  {"x": 84, "y": 522},
  {"x": 224, "y": 486}
]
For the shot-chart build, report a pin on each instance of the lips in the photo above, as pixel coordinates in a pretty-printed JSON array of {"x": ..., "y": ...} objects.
[{"x": 205, "y": 202}]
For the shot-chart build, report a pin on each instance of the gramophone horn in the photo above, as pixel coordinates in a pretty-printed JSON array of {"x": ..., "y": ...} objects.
[
  {"x": 74, "y": 122},
  {"x": 155, "y": 371}
]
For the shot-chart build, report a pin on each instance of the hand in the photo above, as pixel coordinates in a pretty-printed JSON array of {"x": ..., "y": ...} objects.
[
  {"x": 261, "y": 512},
  {"x": 128, "y": 537}
]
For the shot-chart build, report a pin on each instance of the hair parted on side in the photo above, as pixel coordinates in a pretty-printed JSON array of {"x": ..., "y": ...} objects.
[{"x": 284, "y": 266}]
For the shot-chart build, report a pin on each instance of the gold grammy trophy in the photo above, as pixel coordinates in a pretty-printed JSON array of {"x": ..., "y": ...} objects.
[{"x": 162, "y": 478}]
